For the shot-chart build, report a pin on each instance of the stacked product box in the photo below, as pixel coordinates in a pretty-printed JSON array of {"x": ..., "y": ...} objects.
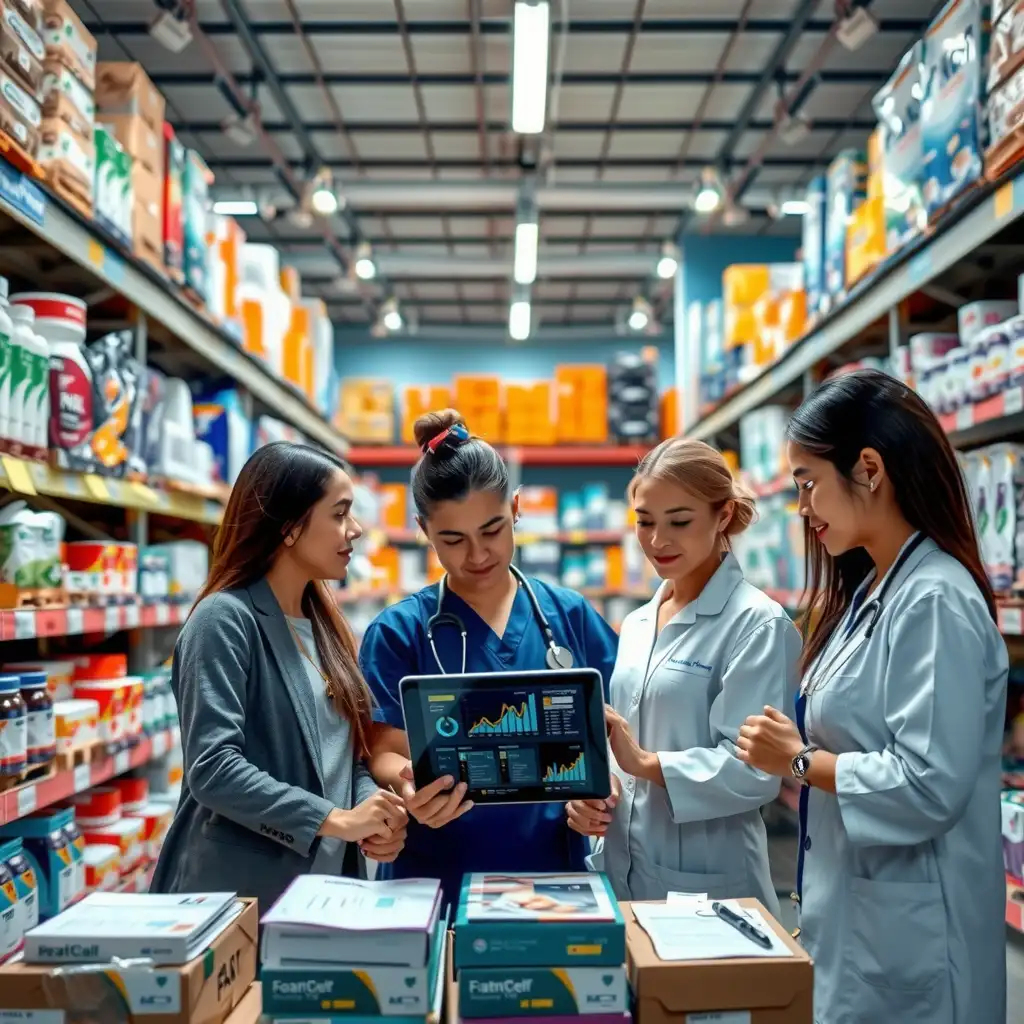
[
  {"x": 1005, "y": 87},
  {"x": 131, "y": 112},
  {"x": 370, "y": 951},
  {"x": 846, "y": 189},
  {"x": 66, "y": 149},
  {"x": 196, "y": 180},
  {"x": 814, "y": 246},
  {"x": 202, "y": 947},
  {"x": 634, "y": 403},
  {"x": 22, "y": 54},
  {"x": 548, "y": 946}
]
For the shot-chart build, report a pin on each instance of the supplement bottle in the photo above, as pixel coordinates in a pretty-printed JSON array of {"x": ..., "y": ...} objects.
[
  {"x": 22, "y": 340},
  {"x": 41, "y": 737},
  {"x": 13, "y": 728},
  {"x": 6, "y": 352}
]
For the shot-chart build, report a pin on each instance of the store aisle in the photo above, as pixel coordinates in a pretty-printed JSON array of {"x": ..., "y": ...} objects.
[{"x": 782, "y": 853}]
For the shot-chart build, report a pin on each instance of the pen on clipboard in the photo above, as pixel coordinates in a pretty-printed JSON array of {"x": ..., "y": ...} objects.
[{"x": 742, "y": 925}]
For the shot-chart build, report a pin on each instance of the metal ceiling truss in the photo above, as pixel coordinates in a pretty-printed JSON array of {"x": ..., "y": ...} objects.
[{"x": 434, "y": 184}]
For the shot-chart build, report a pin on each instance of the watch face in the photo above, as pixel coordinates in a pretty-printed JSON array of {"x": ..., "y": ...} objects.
[{"x": 800, "y": 765}]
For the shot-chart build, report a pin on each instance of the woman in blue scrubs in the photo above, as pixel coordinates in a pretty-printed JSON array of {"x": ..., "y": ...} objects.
[{"x": 467, "y": 510}]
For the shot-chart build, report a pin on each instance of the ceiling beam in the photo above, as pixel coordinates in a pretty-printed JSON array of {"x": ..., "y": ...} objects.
[
  {"x": 498, "y": 27},
  {"x": 169, "y": 79},
  {"x": 566, "y": 127}
]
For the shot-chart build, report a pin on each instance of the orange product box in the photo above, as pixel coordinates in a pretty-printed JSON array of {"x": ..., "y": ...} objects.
[
  {"x": 793, "y": 316},
  {"x": 484, "y": 422},
  {"x": 76, "y": 724},
  {"x": 69, "y": 42},
  {"x": 367, "y": 394},
  {"x": 393, "y": 501},
  {"x": 865, "y": 239},
  {"x": 740, "y": 325},
  {"x": 291, "y": 283},
  {"x": 125, "y": 88},
  {"x": 670, "y": 412},
  {"x": 367, "y": 427},
  {"x": 386, "y": 572},
  {"x": 297, "y": 344},
  {"x": 416, "y": 401},
  {"x": 473, "y": 391},
  {"x": 615, "y": 567},
  {"x": 102, "y": 867},
  {"x": 112, "y": 698},
  {"x": 125, "y": 834},
  {"x": 744, "y": 283}
]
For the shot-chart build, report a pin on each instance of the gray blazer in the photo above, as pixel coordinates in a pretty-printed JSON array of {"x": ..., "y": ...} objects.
[{"x": 252, "y": 799}]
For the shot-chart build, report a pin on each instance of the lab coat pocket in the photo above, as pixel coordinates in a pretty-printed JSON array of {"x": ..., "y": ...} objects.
[
  {"x": 656, "y": 881},
  {"x": 898, "y": 950}
]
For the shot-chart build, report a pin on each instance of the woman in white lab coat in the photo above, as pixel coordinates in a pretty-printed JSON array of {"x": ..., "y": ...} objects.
[
  {"x": 706, "y": 652},
  {"x": 900, "y": 719}
]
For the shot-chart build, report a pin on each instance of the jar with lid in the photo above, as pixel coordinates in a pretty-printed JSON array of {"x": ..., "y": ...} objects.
[
  {"x": 13, "y": 728},
  {"x": 41, "y": 735}
]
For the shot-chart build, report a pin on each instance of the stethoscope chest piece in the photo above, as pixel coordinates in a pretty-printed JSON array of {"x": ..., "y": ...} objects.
[{"x": 558, "y": 657}]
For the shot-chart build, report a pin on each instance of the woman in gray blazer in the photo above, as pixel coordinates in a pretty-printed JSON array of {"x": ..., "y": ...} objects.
[{"x": 274, "y": 713}]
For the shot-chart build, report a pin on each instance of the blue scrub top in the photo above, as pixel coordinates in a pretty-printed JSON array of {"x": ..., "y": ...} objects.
[{"x": 528, "y": 837}]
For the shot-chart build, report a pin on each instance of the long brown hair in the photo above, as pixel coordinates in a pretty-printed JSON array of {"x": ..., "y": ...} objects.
[
  {"x": 274, "y": 494},
  {"x": 870, "y": 409}
]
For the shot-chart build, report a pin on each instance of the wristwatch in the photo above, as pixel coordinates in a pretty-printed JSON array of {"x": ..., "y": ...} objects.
[{"x": 801, "y": 764}]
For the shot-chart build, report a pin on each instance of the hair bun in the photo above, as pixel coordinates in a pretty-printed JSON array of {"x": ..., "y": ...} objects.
[{"x": 430, "y": 424}]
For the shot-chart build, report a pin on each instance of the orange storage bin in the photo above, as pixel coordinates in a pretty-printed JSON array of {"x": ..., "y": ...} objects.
[
  {"x": 474, "y": 392},
  {"x": 419, "y": 400},
  {"x": 393, "y": 502}
]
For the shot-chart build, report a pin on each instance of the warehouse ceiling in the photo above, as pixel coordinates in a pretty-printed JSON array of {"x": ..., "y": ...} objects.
[{"x": 408, "y": 104}]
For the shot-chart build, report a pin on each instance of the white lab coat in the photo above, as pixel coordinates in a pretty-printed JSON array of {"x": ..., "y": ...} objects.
[
  {"x": 903, "y": 886},
  {"x": 685, "y": 694}
]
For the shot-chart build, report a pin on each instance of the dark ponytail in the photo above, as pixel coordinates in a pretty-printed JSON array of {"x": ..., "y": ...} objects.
[{"x": 455, "y": 465}]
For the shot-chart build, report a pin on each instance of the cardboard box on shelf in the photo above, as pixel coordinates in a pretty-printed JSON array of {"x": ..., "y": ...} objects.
[
  {"x": 69, "y": 163},
  {"x": 196, "y": 181},
  {"x": 124, "y": 89},
  {"x": 65, "y": 97},
  {"x": 418, "y": 400},
  {"x": 174, "y": 224},
  {"x": 21, "y": 48},
  {"x": 20, "y": 116},
  {"x": 212, "y": 989},
  {"x": 143, "y": 142},
  {"x": 147, "y": 236},
  {"x": 113, "y": 199},
  {"x": 761, "y": 990},
  {"x": 68, "y": 41}
]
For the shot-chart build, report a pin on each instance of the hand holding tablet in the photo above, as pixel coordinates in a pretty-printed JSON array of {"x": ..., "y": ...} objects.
[{"x": 507, "y": 737}]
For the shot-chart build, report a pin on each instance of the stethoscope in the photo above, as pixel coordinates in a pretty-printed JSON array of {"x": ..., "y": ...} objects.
[
  {"x": 555, "y": 657},
  {"x": 878, "y": 601}
]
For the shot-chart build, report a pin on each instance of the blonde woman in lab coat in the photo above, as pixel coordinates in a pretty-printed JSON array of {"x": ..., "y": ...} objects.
[{"x": 706, "y": 652}]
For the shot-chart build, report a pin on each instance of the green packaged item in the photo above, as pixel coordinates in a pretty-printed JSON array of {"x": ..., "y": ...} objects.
[{"x": 113, "y": 197}]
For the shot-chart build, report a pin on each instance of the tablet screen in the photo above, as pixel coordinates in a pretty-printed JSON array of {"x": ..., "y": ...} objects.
[{"x": 515, "y": 737}]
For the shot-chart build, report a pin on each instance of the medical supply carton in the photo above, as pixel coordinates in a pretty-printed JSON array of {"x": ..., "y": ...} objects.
[
  {"x": 580, "y": 925},
  {"x": 488, "y": 992}
]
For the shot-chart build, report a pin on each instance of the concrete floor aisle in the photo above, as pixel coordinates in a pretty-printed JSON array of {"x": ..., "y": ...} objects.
[{"x": 782, "y": 852}]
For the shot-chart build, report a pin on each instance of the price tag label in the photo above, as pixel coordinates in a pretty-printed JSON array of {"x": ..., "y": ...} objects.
[
  {"x": 163, "y": 614},
  {"x": 83, "y": 777},
  {"x": 19, "y": 476},
  {"x": 577, "y": 536},
  {"x": 965, "y": 417},
  {"x": 97, "y": 487},
  {"x": 1013, "y": 401},
  {"x": 112, "y": 619},
  {"x": 76, "y": 622},
  {"x": 1011, "y": 621},
  {"x": 122, "y": 762},
  {"x": 160, "y": 744},
  {"x": 96, "y": 253},
  {"x": 26, "y": 800},
  {"x": 145, "y": 494},
  {"x": 24, "y": 625}
]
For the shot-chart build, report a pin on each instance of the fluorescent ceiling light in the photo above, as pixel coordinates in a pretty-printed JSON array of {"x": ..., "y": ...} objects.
[
  {"x": 638, "y": 320},
  {"x": 236, "y": 207},
  {"x": 794, "y": 208},
  {"x": 708, "y": 199},
  {"x": 393, "y": 320},
  {"x": 667, "y": 267},
  {"x": 324, "y": 201},
  {"x": 366, "y": 269},
  {"x": 531, "y": 25},
  {"x": 525, "y": 260},
  {"x": 519, "y": 320}
]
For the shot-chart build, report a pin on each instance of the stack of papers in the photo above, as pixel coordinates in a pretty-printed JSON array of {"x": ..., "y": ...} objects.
[
  {"x": 373, "y": 949},
  {"x": 686, "y": 928},
  {"x": 163, "y": 929}
]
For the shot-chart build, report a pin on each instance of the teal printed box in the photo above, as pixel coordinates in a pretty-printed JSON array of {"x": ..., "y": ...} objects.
[
  {"x": 490, "y": 992},
  {"x": 353, "y": 992},
  {"x": 538, "y": 920}
]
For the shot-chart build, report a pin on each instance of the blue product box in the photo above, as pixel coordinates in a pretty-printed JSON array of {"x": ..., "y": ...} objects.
[
  {"x": 952, "y": 123},
  {"x": 225, "y": 426},
  {"x": 814, "y": 244},
  {"x": 898, "y": 109},
  {"x": 846, "y": 189},
  {"x": 494, "y": 927},
  {"x": 195, "y": 203},
  {"x": 23, "y": 879},
  {"x": 48, "y": 849}
]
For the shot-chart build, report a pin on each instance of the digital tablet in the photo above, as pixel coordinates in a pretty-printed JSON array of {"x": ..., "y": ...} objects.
[{"x": 512, "y": 737}]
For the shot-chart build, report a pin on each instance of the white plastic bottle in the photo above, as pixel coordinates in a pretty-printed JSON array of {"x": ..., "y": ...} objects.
[
  {"x": 41, "y": 396},
  {"x": 33, "y": 352},
  {"x": 6, "y": 353},
  {"x": 22, "y": 348}
]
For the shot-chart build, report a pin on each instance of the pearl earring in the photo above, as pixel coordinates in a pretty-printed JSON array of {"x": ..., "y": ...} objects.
[{"x": 872, "y": 485}]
